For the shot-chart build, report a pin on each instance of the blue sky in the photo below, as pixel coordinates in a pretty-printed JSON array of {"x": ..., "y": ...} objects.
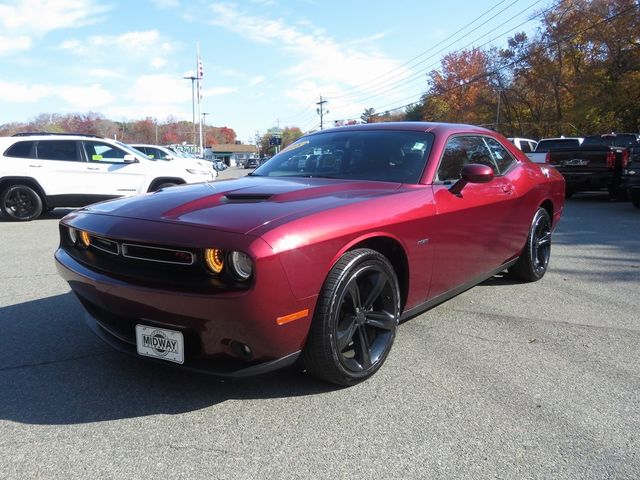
[{"x": 264, "y": 60}]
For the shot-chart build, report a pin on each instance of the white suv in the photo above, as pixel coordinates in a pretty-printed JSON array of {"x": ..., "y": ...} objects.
[
  {"x": 156, "y": 152},
  {"x": 39, "y": 172}
]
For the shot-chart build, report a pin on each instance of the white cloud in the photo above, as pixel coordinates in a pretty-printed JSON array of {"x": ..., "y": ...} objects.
[
  {"x": 157, "y": 62},
  {"x": 166, "y": 4},
  {"x": 10, "y": 45},
  {"x": 21, "y": 93},
  {"x": 103, "y": 73},
  {"x": 216, "y": 91},
  {"x": 137, "y": 43},
  {"x": 85, "y": 98},
  {"x": 322, "y": 64},
  {"x": 257, "y": 80},
  {"x": 80, "y": 97},
  {"x": 38, "y": 17}
]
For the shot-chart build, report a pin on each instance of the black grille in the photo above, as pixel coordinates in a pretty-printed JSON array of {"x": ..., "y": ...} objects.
[
  {"x": 157, "y": 254},
  {"x": 155, "y": 266}
]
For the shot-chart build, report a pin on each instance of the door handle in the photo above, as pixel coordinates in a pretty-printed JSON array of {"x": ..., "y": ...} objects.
[
  {"x": 35, "y": 165},
  {"x": 93, "y": 168}
]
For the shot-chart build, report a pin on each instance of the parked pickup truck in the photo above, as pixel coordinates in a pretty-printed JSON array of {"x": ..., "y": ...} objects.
[
  {"x": 544, "y": 146},
  {"x": 631, "y": 176},
  {"x": 596, "y": 164}
]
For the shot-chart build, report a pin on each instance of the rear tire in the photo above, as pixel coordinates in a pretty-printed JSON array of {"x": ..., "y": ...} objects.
[
  {"x": 21, "y": 203},
  {"x": 534, "y": 259},
  {"x": 355, "y": 319}
]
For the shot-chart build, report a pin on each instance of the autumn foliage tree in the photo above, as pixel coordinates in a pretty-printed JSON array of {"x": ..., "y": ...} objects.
[{"x": 578, "y": 74}]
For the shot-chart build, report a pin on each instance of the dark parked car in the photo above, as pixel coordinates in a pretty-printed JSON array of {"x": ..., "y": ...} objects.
[
  {"x": 313, "y": 261},
  {"x": 597, "y": 164},
  {"x": 252, "y": 163}
]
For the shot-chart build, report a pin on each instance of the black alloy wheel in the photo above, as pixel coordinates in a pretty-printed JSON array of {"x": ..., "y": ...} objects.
[
  {"x": 21, "y": 203},
  {"x": 356, "y": 319},
  {"x": 534, "y": 260}
]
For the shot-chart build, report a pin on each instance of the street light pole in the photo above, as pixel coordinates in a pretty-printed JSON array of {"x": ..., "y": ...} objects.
[
  {"x": 193, "y": 105},
  {"x": 204, "y": 125}
]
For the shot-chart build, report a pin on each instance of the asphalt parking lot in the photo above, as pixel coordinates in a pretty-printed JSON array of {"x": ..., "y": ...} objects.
[{"x": 506, "y": 380}]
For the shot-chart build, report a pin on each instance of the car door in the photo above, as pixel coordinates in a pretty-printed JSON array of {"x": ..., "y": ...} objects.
[
  {"x": 108, "y": 173},
  {"x": 468, "y": 232},
  {"x": 59, "y": 167}
]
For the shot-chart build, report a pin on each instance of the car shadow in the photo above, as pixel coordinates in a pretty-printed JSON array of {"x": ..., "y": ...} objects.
[
  {"x": 55, "y": 214},
  {"x": 55, "y": 371}
]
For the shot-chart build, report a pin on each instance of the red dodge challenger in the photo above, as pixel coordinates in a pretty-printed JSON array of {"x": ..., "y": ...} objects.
[{"x": 315, "y": 256}]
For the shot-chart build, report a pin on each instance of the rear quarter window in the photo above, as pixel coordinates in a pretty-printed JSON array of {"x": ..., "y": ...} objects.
[{"x": 20, "y": 149}]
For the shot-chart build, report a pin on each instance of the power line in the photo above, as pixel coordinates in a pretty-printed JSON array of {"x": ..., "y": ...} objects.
[
  {"x": 387, "y": 87},
  {"x": 432, "y": 47},
  {"x": 513, "y": 62}
]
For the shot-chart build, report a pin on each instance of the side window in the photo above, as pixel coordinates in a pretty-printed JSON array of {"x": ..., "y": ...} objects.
[
  {"x": 156, "y": 154},
  {"x": 103, "y": 152},
  {"x": 20, "y": 149},
  {"x": 525, "y": 147},
  {"x": 63, "y": 150},
  {"x": 461, "y": 151},
  {"x": 501, "y": 156}
]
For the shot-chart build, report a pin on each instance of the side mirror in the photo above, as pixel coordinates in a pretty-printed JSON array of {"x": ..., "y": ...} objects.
[
  {"x": 472, "y": 173},
  {"x": 169, "y": 157},
  {"x": 128, "y": 158}
]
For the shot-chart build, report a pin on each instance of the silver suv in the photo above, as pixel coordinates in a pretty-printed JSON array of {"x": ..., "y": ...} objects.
[{"x": 41, "y": 171}]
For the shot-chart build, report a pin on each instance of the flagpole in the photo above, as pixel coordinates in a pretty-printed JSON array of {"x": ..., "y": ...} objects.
[{"x": 199, "y": 75}]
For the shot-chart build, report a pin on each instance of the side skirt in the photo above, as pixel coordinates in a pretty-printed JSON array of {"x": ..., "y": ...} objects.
[{"x": 423, "y": 307}]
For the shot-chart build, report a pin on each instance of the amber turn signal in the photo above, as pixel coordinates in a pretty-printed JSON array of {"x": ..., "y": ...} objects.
[
  {"x": 292, "y": 317},
  {"x": 214, "y": 259},
  {"x": 84, "y": 238}
]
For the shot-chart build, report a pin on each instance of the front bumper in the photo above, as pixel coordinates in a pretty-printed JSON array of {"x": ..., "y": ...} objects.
[{"x": 212, "y": 324}]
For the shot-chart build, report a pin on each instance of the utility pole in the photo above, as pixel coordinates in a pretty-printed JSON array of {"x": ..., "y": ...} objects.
[
  {"x": 498, "y": 112},
  {"x": 155, "y": 120},
  {"x": 193, "y": 105},
  {"x": 321, "y": 111}
]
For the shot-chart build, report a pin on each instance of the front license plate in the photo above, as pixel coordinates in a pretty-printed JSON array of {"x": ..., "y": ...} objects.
[{"x": 160, "y": 343}]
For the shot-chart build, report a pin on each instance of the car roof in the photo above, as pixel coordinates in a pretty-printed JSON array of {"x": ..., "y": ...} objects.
[
  {"x": 561, "y": 138},
  {"x": 55, "y": 136},
  {"x": 434, "y": 127}
]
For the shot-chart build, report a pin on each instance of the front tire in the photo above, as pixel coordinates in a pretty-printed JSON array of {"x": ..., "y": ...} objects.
[
  {"x": 164, "y": 185},
  {"x": 355, "y": 320},
  {"x": 534, "y": 259},
  {"x": 21, "y": 203}
]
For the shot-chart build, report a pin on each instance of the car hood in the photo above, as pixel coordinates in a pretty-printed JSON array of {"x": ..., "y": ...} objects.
[{"x": 242, "y": 205}]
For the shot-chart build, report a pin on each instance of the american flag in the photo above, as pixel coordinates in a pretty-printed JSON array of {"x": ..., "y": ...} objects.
[{"x": 200, "y": 74}]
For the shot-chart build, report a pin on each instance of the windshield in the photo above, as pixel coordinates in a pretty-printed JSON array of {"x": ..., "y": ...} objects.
[
  {"x": 546, "y": 145},
  {"x": 383, "y": 155},
  {"x": 610, "y": 140},
  {"x": 132, "y": 150}
]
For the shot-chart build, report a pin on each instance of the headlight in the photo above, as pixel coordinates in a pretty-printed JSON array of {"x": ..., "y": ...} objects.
[
  {"x": 241, "y": 265},
  {"x": 84, "y": 238},
  {"x": 214, "y": 259},
  {"x": 72, "y": 234},
  {"x": 194, "y": 171}
]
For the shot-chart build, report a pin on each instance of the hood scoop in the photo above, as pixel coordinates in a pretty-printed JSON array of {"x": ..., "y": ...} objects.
[{"x": 231, "y": 197}]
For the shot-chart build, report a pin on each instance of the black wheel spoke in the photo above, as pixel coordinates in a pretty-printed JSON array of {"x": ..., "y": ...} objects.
[
  {"x": 382, "y": 320},
  {"x": 364, "y": 352},
  {"x": 545, "y": 239},
  {"x": 345, "y": 336},
  {"x": 380, "y": 281},
  {"x": 354, "y": 293}
]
